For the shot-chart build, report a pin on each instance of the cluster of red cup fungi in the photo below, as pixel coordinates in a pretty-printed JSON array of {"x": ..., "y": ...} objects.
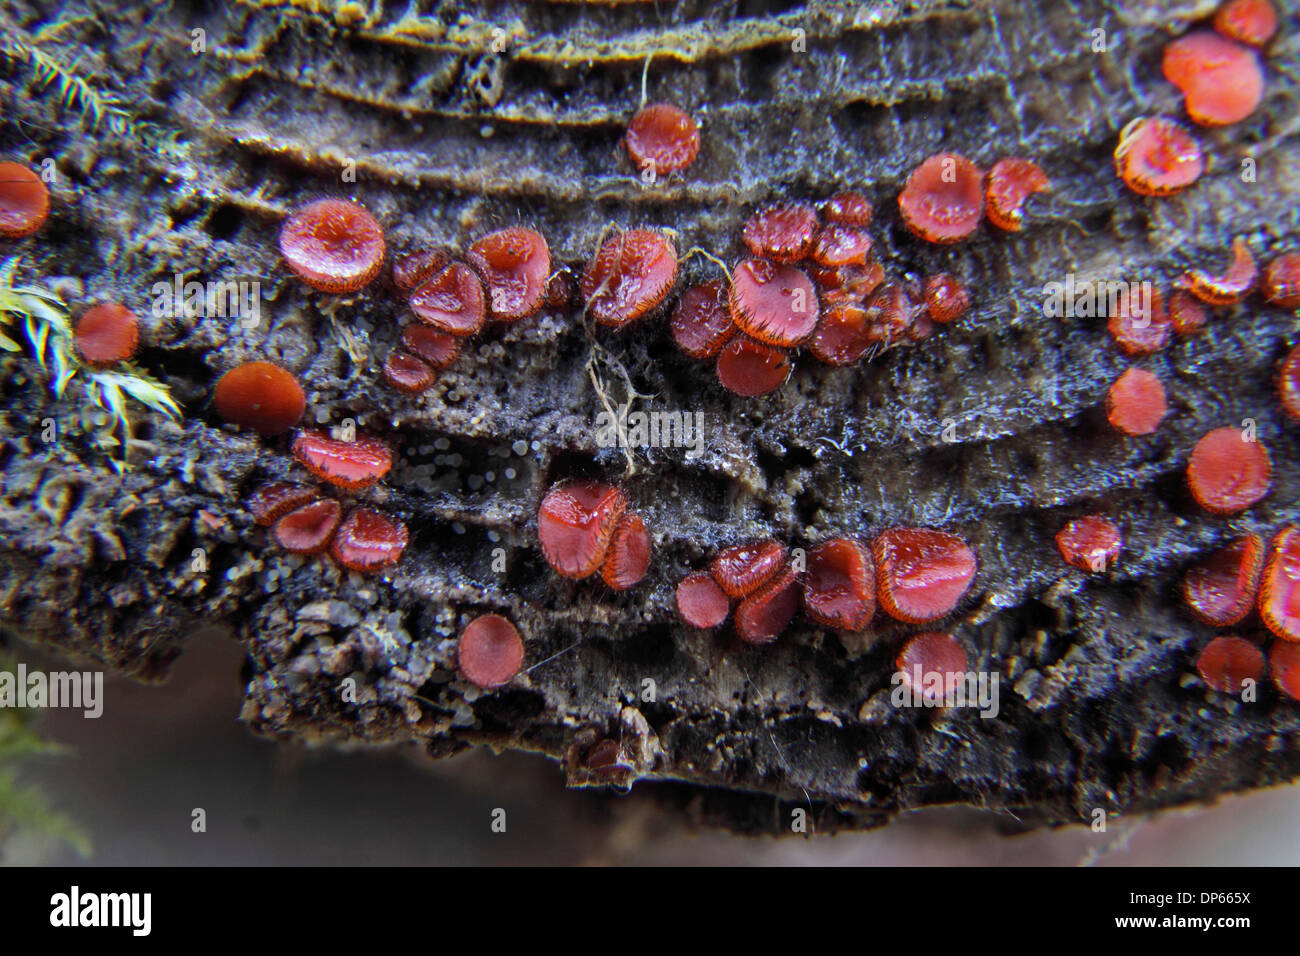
[
  {"x": 303, "y": 521},
  {"x": 946, "y": 198},
  {"x": 585, "y": 528}
]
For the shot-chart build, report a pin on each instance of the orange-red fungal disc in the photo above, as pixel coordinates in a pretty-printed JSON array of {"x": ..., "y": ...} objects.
[
  {"x": 412, "y": 269},
  {"x": 1221, "y": 589},
  {"x": 1157, "y": 157},
  {"x": 629, "y": 554},
  {"x": 892, "y": 316},
  {"x": 750, "y": 368},
  {"x": 437, "y": 349},
  {"x": 1186, "y": 313},
  {"x": 943, "y": 199},
  {"x": 839, "y": 589},
  {"x": 1140, "y": 323},
  {"x": 261, "y": 396},
  {"x": 24, "y": 201},
  {"x": 946, "y": 298},
  {"x": 272, "y": 501},
  {"x": 629, "y": 276},
  {"x": 783, "y": 233},
  {"x": 1227, "y": 288},
  {"x": 1136, "y": 402},
  {"x": 1247, "y": 21},
  {"x": 490, "y": 651},
  {"x": 1012, "y": 181},
  {"x": 938, "y": 659},
  {"x": 352, "y": 464},
  {"x": 775, "y": 304},
  {"x": 1284, "y": 662},
  {"x": 1288, "y": 383},
  {"x": 1228, "y": 662},
  {"x": 743, "y": 568},
  {"x": 368, "y": 541},
  {"x": 308, "y": 530},
  {"x": 333, "y": 245},
  {"x": 1279, "y": 587},
  {"x": 106, "y": 334},
  {"x": 1091, "y": 543},
  {"x": 847, "y": 283},
  {"x": 843, "y": 335},
  {"x": 575, "y": 524},
  {"x": 515, "y": 265},
  {"x": 409, "y": 374},
  {"x": 662, "y": 138},
  {"x": 700, "y": 602},
  {"x": 1228, "y": 472},
  {"x": 764, "y": 614},
  {"x": 1281, "y": 285},
  {"x": 451, "y": 300},
  {"x": 921, "y": 574},
  {"x": 838, "y": 245},
  {"x": 1222, "y": 81},
  {"x": 701, "y": 323},
  {"x": 848, "y": 209}
]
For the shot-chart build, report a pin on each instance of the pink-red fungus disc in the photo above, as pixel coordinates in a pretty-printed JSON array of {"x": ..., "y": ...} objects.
[
  {"x": 1136, "y": 402},
  {"x": 750, "y": 368},
  {"x": 743, "y": 568},
  {"x": 892, "y": 316},
  {"x": 662, "y": 139},
  {"x": 106, "y": 334},
  {"x": 921, "y": 574},
  {"x": 1247, "y": 21},
  {"x": 406, "y": 373},
  {"x": 412, "y": 269},
  {"x": 1284, "y": 662},
  {"x": 352, "y": 464},
  {"x": 1279, "y": 588},
  {"x": 368, "y": 541},
  {"x": 308, "y": 530},
  {"x": 701, "y": 323},
  {"x": 629, "y": 276},
  {"x": 848, "y": 209},
  {"x": 1222, "y": 81},
  {"x": 1091, "y": 543},
  {"x": 839, "y": 589},
  {"x": 700, "y": 602},
  {"x": 1011, "y": 182},
  {"x": 943, "y": 199},
  {"x": 1157, "y": 157},
  {"x": 24, "y": 201},
  {"x": 1227, "y": 288},
  {"x": 490, "y": 651},
  {"x": 764, "y": 614},
  {"x": 575, "y": 524},
  {"x": 261, "y": 396},
  {"x": 515, "y": 265},
  {"x": 775, "y": 304},
  {"x": 629, "y": 554},
  {"x": 333, "y": 245},
  {"x": 438, "y": 349},
  {"x": 843, "y": 335},
  {"x": 1140, "y": 324},
  {"x": 946, "y": 298},
  {"x": 1228, "y": 471},
  {"x": 1221, "y": 589},
  {"x": 847, "y": 284},
  {"x": 1281, "y": 285},
  {"x": 272, "y": 501},
  {"x": 451, "y": 300},
  {"x": 782, "y": 233},
  {"x": 938, "y": 659},
  {"x": 838, "y": 245},
  {"x": 1228, "y": 662},
  {"x": 1186, "y": 313},
  {"x": 1288, "y": 383}
]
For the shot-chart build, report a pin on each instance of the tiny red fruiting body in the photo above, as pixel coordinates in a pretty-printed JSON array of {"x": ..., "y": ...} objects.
[
  {"x": 767, "y": 611},
  {"x": 1279, "y": 588},
  {"x": 784, "y": 233},
  {"x": 1136, "y": 402},
  {"x": 1091, "y": 543},
  {"x": 1228, "y": 662},
  {"x": 838, "y": 245},
  {"x": 700, "y": 602},
  {"x": 106, "y": 334},
  {"x": 847, "y": 284},
  {"x": 892, "y": 315},
  {"x": 750, "y": 368},
  {"x": 308, "y": 529},
  {"x": 839, "y": 589},
  {"x": 943, "y": 199},
  {"x": 260, "y": 395},
  {"x": 368, "y": 541},
  {"x": 409, "y": 374},
  {"x": 701, "y": 323},
  {"x": 848, "y": 209},
  {"x": 1222, "y": 81},
  {"x": 938, "y": 659},
  {"x": 1281, "y": 284},
  {"x": 773, "y": 303},
  {"x": 413, "y": 269},
  {"x": 1288, "y": 383},
  {"x": 1011, "y": 181},
  {"x": 743, "y": 568},
  {"x": 333, "y": 245},
  {"x": 1229, "y": 472},
  {"x": 490, "y": 651},
  {"x": 272, "y": 501},
  {"x": 437, "y": 349},
  {"x": 629, "y": 553},
  {"x": 1227, "y": 288},
  {"x": 1157, "y": 157},
  {"x": 515, "y": 265},
  {"x": 1284, "y": 662},
  {"x": 352, "y": 465},
  {"x": 575, "y": 524},
  {"x": 946, "y": 298},
  {"x": 451, "y": 300},
  {"x": 629, "y": 276},
  {"x": 843, "y": 335},
  {"x": 1221, "y": 589},
  {"x": 921, "y": 574},
  {"x": 662, "y": 138},
  {"x": 1247, "y": 21},
  {"x": 1186, "y": 313},
  {"x": 24, "y": 201},
  {"x": 1140, "y": 325}
]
